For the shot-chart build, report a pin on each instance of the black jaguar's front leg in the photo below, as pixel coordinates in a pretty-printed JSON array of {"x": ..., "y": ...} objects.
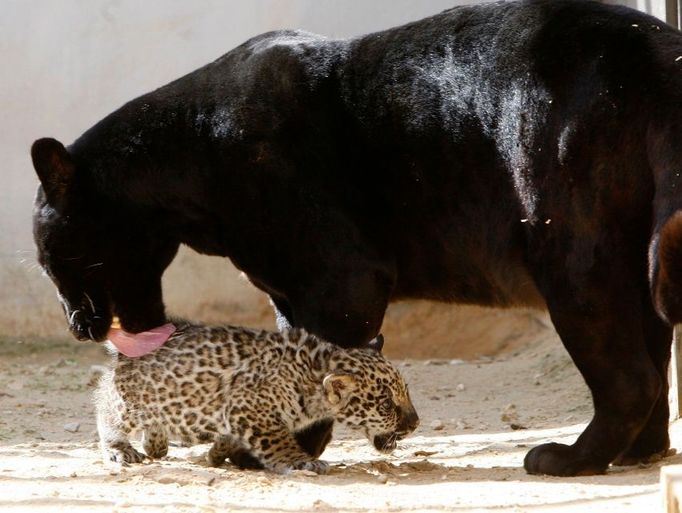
[
  {"x": 345, "y": 307},
  {"x": 283, "y": 314}
]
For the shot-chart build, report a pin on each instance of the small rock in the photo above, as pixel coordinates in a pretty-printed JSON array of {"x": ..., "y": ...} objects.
[
  {"x": 509, "y": 414},
  {"x": 437, "y": 425},
  {"x": 424, "y": 453},
  {"x": 461, "y": 387},
  {"x": 45, "y": 370},
  {"x": 456, "y": 361},
  {"x": 72, "y": 427},
  {"x": 382, "y": 478}
]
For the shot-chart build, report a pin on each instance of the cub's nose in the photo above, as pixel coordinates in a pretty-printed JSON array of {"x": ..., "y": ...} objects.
[{"x": 409, "y": 420}]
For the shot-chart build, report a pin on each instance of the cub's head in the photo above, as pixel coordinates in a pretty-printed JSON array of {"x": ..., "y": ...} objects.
[
  {"x": 104, "y": 257},
  {"x": 367, "y": 392}
]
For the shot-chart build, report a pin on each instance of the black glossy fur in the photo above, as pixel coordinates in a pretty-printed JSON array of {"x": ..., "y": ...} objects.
[{"x": 520, "y": 153}]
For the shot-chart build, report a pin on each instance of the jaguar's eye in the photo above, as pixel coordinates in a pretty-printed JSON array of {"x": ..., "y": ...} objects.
[{"x": 387, "y": 404}]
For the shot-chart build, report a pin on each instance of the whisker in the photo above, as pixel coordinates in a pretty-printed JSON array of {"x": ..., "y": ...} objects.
[
  {"x": 94, "y": 265},
  {"x": 73, "y": 314},
  {"x": 92, "y": 305},
  {"x": 30, "y": 264}
]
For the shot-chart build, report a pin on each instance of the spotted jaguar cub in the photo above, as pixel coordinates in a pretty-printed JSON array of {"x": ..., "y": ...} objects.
[{"x": 256, "y": 395}]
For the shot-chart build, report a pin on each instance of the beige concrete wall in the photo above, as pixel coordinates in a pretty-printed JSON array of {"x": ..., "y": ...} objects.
[{"x": 67, "y": 63}]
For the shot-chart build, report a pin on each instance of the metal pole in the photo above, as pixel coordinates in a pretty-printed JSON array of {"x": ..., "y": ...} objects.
[
  {"x": 674, "y": 390},
  {"x": 672, "y": 12}
]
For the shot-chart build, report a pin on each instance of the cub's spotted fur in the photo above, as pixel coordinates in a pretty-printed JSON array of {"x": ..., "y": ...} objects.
[{"x": 254, "y": 394}]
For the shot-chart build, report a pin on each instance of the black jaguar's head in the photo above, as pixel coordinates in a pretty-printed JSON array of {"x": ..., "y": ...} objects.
[{"x": 103, "y": 257}]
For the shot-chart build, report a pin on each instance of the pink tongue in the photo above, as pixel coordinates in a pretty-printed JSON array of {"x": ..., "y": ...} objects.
[{"x": 140, "y": 344}]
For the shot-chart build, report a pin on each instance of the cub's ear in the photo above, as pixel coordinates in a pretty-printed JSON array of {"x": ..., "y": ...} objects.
[
  {"x": 338, "y": 387},
  {"x": 54, "y": 167},
  {"x": 376, "y": 343}
]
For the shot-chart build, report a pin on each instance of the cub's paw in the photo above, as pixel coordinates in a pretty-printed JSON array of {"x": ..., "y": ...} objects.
[
  {"x": 125, "y": 455},
  {"x": 215, "y": 459},
  {"x": 560, "y": 460},
  {"x": 317, "y": 466}
]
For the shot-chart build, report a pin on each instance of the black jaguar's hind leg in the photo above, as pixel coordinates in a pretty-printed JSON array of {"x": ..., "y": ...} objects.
[
  {"x": 600, "y": 323},
  {"x": 653, "y": 441}
]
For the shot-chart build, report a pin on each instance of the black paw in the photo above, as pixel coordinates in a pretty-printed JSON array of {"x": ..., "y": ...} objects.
[
  {"x": 560, "y": 460},
  {"x": 630, "y": 458},
  {"x": 650, "y": 446}
]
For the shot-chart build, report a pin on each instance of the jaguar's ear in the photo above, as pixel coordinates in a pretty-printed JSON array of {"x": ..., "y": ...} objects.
[
  {"x": 338, "y": 387},
  {"x": 376, "y": 343},
  {"x": 54, "y": 167}
]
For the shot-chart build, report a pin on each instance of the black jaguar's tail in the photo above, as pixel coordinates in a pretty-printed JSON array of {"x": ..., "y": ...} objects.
[
  {"x": 666, "y": 269},
  {"x": 665, "y": 249}
]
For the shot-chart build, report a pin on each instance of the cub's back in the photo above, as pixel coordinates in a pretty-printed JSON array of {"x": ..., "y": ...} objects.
[{"x": 183, "y": 385}]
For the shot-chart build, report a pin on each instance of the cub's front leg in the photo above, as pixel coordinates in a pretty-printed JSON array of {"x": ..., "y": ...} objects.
[
  {"x": 113, "y": 428},
  {"x": 280, "y": 452},
  {"x": 277, "y": 449},
  {"x": 227, "y": 446},
  {"x": 114, "y": 423}
]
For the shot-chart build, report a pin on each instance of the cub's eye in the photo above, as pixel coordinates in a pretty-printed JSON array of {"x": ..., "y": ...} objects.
[{"x": 387, "y": 404}]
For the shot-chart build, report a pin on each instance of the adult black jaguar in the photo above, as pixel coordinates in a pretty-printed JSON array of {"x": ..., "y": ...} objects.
[{"x": 516, "y": 153}]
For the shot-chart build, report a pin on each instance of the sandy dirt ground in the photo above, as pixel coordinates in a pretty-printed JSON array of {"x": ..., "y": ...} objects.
[{"x": 478, "y": 419}]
